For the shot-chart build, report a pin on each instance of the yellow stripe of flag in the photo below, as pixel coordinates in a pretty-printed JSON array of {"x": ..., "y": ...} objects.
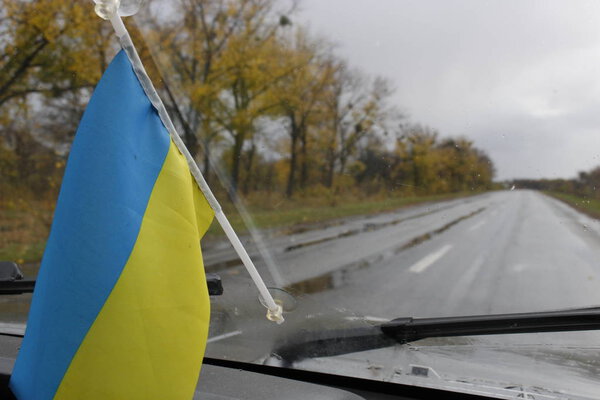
[{"x": 148, "y": 340}]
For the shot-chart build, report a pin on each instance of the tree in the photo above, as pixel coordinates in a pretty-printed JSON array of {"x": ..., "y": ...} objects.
[
  {"x": 300, "y": 98},
  {"x": 192, "y": 45},
  {"x": 50, "y": 47},
  {"x": 358, "y": 107},
  {"x": 415, "y": 149},
  {"x": 52, "y": 54},
  {"x": 221, "y": 58}
]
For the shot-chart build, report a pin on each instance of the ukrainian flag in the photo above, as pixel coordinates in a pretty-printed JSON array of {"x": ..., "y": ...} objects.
[{"x": 121, "y": 307}]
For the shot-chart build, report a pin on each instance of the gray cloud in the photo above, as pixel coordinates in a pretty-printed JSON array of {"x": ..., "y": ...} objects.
[{"x": 522, "y": 79}]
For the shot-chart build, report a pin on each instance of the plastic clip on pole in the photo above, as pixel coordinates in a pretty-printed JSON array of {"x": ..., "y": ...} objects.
[{"x": 109, "y": 10}]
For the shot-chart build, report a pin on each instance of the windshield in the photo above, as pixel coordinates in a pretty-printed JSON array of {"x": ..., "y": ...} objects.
[{"x": 378, "y": 159}]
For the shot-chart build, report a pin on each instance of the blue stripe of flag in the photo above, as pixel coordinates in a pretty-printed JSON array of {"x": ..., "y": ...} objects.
[{"x": 116, "y": 157}]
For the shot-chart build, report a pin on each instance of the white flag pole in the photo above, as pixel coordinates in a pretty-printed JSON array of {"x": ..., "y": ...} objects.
[{"x": 107, "y": 9}]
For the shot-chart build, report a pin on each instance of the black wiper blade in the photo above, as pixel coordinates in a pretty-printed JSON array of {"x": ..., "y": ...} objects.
[
  {"x": 17, "y": 287},
  {"x": 12, "y": 282},
  {"x": 213, "y": 282},
  {"x": 310, "y": 344},
  {"x": 406, "y": 330}
]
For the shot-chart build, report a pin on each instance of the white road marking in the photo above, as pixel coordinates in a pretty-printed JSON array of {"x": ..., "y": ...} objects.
[
  {"x": 223, "y": 336},
  {"x": 477, "y": 225},
  {"x": 426, "y": 261}
]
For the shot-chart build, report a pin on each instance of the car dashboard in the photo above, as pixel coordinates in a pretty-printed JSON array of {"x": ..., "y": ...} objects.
[{"x": 223, "y": 379}]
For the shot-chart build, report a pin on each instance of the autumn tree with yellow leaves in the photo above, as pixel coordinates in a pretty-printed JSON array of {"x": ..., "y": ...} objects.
[
  {"x": 52, "y": 54},
  {"x": 250, "y": 90}
]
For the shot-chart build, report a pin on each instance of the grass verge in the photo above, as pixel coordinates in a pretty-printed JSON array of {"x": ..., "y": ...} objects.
[
  {"x": 24, "y": 230},
  {"x": 590, "y": 207},
  {"x": 305, "y": 215}
]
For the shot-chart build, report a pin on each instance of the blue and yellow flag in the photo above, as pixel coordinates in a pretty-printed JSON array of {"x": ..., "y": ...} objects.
[{"x": 121, "y": 307}]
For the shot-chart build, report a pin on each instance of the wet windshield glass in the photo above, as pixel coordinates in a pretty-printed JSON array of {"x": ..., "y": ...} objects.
[{"x": 378, "y": 160}]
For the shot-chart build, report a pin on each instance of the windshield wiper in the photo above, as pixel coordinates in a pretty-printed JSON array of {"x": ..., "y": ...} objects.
[
  {"x": 12, "y": 282},
  {"x": 328, "y": 343},
  {"x": 405, "y": 330}
]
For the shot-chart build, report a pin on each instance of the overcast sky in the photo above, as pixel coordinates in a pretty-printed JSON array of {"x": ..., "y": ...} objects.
[{"x": 520, "y": 78}]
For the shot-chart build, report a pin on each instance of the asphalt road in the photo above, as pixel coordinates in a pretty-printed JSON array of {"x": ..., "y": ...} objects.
[{"x": 500, "y": 252}]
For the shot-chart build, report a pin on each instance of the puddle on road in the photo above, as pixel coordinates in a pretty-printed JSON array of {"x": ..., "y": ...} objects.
[
  {"x": 318, "y": 284},
  {"x": 340, "y": 277},
  {"x": 367, "y": 227},
  {"x": 294, "y": 230},
  {"x": 323, "y": 240},
  {"x": 426, "y": 236}
]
